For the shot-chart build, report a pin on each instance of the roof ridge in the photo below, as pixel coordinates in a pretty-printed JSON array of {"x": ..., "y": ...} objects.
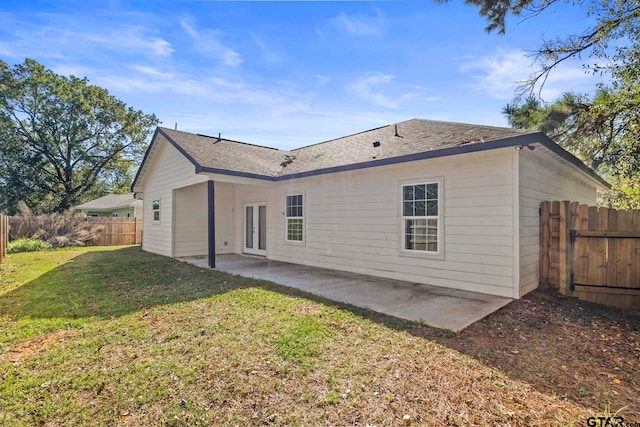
[
  {"x": 471, "y": 125},
  {"x": 342, "y": 137},
  {"x": 202, "y": 135}
]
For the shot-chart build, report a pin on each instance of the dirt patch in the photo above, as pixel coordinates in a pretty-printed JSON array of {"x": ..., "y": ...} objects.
[
  {"x": 307, "y": 308},
  {"x": 582, "y": 352},
  {"x": 37, "y": 345}
]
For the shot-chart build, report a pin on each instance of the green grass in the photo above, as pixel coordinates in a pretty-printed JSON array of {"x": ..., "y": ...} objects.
[{"x": 115, "y": 336}]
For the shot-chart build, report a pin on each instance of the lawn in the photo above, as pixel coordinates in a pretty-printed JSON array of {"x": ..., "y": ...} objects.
[{"x": 116, "y": 336}]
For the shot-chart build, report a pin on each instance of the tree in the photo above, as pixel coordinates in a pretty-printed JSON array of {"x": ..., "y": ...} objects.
[
  {"x": 598, "y": 130},
  {"x": 602, "y": 131},
  {"x": 614, "y": 21},
  {"x": 62, "y": 138}
]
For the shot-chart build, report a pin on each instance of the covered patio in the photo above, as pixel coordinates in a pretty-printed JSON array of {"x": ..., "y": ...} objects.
[{"x": 435, "y": 306}]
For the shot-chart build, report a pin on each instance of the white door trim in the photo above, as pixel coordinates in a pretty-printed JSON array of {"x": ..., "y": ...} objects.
[{"x": 254, "y": 241}]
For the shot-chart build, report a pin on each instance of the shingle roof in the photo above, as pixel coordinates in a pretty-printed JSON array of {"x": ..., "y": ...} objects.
[
  {"x": 225, "y": 154},
  {"x": 111, "y": 202},
  {"x": 413, "y": 139},
  {"x": 404, "y": 138}
]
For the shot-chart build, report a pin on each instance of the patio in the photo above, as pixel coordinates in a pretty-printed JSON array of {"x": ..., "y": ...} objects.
[{"x": 435, "y": 306}]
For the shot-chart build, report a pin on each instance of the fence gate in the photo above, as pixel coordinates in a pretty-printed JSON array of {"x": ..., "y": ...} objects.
[{"x": 591, "y": 253}]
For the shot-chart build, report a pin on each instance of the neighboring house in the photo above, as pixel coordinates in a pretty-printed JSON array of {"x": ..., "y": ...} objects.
[
  {"x": 445, "y": 204},
  {"x": 113, "y": 205}
]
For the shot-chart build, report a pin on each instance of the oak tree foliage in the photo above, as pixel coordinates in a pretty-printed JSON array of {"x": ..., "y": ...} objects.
[{"x": 63, "y": 140}]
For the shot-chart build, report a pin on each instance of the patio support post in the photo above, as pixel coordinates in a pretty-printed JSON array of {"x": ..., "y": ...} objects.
[{"x": 211, "y": 205}]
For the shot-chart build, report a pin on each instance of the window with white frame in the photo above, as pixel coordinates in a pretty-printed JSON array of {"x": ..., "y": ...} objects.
[
  {"x": 420, "y": 217},
  {"x": 294, "y": 217},
  {"x": 156, "y": 210}
]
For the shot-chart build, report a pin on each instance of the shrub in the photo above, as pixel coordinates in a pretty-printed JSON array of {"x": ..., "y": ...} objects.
[
  {"x": 27, "y": 245},
  {"x": 57, "y": 230}
]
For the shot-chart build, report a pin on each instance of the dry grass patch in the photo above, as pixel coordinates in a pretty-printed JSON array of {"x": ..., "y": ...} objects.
[
  {"x": 36, "y": 345},
  {"x": 581, "y": 352}
]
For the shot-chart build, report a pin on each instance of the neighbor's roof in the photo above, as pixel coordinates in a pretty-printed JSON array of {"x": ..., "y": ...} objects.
[
  {"x": 111, "y": 202},
  {"x": 405, "y": 141}
]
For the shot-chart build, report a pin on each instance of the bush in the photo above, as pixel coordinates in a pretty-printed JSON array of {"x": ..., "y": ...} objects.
[
  {"x": 57, "y": 230},
  {"x": 27, "y": 245}
]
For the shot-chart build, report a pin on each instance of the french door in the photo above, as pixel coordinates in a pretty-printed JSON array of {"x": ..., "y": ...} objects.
[{"x": 255, "y": 229}]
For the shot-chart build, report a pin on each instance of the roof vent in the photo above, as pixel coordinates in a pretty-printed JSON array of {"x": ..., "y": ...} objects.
[
  {"x": 376, "y": 144},
  {"x": 395, "y": 127}
]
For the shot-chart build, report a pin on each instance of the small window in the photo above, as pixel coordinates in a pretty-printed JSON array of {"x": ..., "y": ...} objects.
[
  {"x": 114, "y": 215},
  {"x": 156, "y": 210},
  {"x": 420, "y": 217},
  {"x": 295, "y": 218}
]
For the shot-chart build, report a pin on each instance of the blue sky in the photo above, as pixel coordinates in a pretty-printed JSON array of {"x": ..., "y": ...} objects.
[{"x": 290, "y": 73}]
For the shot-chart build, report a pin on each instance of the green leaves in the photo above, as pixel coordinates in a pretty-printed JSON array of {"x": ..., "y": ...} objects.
[{"x": 63, "y": 139}]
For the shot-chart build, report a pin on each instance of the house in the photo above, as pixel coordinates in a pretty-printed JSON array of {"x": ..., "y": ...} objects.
[
  {"x": 446, "y": 204},
  {"x": 113, "y": 205}
]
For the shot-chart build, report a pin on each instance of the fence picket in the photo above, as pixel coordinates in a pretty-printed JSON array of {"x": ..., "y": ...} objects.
[{"x": 118, "y": 231}]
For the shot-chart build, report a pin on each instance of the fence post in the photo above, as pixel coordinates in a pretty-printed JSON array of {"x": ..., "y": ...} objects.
[
  {"x": 563, "y": 246},
  {"x": 4, "y": 236},
  {"x": 545, "y": 244}
]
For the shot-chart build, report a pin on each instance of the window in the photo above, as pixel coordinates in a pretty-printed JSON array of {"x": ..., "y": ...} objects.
[
  {"x": 295, "y": 218},
  {"x": 114, "y": 215},
  {"x": 420, "y": 217},
  {"x": 156, "y": 210}
]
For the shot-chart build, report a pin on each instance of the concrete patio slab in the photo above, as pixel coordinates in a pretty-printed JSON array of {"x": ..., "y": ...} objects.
[{"x": 435, "y": 306}]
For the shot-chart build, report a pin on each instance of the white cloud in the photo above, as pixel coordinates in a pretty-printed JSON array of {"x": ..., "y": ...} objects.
[
  {"x": 497, "y": 75},
  {"x": 501, "y": 74},
  {"x": 208, "y": 41},
  {"x": 321, "y": 80},
  {"x": 60, "y": 36},
  {"x": 128, "y": 39},
  {"x": 136, "y": 78},
  {"x": 371, "y": 88},
  {"x": 359, "y": 25},
  {"x": 267, "y": 52}
]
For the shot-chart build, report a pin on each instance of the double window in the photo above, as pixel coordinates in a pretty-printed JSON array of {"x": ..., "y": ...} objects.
[
  {"x": 421, "y": 217},
  {"x": 294, "y": 213}
]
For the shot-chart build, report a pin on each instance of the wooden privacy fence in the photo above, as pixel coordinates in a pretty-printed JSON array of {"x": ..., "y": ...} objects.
[
  {"x": 117, "y": 231},
  {"x": 591, "y": 253},
  {"x": 4, "y": 236}
]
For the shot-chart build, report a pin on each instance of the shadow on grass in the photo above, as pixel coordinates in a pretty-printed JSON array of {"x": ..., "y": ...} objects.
[
  {"x": 112, "y": 283},
  {"x": 533, "y": 340}
]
